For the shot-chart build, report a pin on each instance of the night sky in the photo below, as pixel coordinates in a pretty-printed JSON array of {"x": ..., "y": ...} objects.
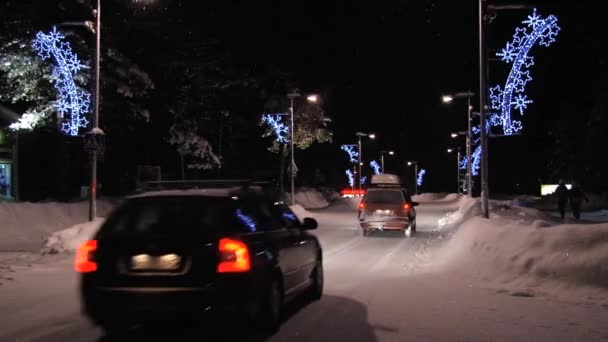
[{"x": 382, "y": 67}]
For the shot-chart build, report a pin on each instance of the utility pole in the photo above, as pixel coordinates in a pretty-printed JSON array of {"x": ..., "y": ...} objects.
[{"x": 482, "y": 117}]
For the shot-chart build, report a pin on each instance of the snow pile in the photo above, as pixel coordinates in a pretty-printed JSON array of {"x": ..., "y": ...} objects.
[
  {"x": 300, "y": 212},
  {"x": 68, "y": 240},
  {"x": 24, "y": 225},
  {"x": 432, "y": 197},
  {"x": 310, "y": 199},
  {"x": 467, "y": 207},
  {"x": 535, "y": 255}
]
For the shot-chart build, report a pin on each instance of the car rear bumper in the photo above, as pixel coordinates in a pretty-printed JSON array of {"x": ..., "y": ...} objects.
[
  {"x": 384, "y": 224},
  {"x": 145, "y": 304}
]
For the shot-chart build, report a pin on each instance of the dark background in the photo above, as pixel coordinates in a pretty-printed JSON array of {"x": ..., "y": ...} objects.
[{"x": 380, "y": 67}]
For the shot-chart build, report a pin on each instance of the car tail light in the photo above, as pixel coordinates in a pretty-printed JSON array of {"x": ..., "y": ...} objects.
[
  {"x": 407, "y": 206},
  {"x": 85, "y": 257},
  {"x": 234, "y": 256},
  {"x": 361, "y": 206}
]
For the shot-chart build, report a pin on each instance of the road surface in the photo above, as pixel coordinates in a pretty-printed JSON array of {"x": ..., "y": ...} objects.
[{"x": 378, "y": 288}]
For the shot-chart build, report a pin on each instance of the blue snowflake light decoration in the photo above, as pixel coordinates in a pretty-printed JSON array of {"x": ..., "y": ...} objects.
[
  {"x": 281, "y": 130},
  {"x": 374, "y": 164},
  {"x": 511, "y": 96},
  {"x": 73, "y": 103},
  {"x": 351, "y": 178},
  {"x": 352, "y": 150},
  {"x": 420, "y": 177},
  {"x": 363, "y": 179}
]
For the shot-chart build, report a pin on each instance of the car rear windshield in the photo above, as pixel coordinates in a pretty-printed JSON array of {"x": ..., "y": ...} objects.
[
  {"x": 186, "y": 216},
  {"x": 384, "y": 196}
]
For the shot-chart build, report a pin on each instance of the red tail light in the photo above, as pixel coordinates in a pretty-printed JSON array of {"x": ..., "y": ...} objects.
[
  {"x": 234, "y": 256},
  {"x": 85, "y": 257},
  {"x": 407, "y": 206},
  {"x": 361, "y": 206}
]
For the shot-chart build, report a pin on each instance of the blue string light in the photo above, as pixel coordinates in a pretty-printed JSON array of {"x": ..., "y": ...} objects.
[
  {"x": 73, "y": 103},
  {"x": 352, "y": 150},
  {"x": 420, "y": 177},
  {"x": 375, "y": 166},
  {"x": 351, "y": 178},
  {"x": 280, "y": 129},
  {"x": 504, "y": 99}
]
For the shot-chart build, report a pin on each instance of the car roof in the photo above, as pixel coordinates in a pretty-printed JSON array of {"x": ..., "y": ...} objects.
[{"x": 206, "y": 192}]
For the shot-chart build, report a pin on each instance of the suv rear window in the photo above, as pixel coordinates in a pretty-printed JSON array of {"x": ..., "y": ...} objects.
[
  {"x": 185, "y": 216},
  {"x": 384, "y": 196}
]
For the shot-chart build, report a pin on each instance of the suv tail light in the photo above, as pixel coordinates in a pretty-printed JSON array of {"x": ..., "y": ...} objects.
[
  {"x": 361, "y": 206},
  {"x": 85, "y": 257},
  {"x": 407, "y": 207},
  {"x": 234, "y": 256}
]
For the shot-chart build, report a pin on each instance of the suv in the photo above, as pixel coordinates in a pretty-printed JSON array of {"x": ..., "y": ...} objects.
[
  {"x": 387, "y": 206},
  {"x": 182, "y": 253}
]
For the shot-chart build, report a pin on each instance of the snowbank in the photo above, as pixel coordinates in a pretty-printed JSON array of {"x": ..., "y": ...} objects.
[
  {"x": 68, "y": 240},
  {"x": 434, "y": 197},
  {"x": 24, "y": 225},
  {"x": 536, "y": 255},
  {"x": 467, "y": 207},
  {"x": 310, "y": 199},
  {"x": 300, "y": 212}
]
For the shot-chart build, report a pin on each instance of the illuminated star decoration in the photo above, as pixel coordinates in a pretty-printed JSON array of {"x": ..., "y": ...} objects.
[
  {"x": 511, "y": 95},
  {"x": 280, "y": 129},
  {"x": 352, "y": 150},
  {"x": 73, "y": 102},
  {"x": 351, "y": 178},
  {"x": 375, "y": 166},
  {"x": 420, "y": 177}
]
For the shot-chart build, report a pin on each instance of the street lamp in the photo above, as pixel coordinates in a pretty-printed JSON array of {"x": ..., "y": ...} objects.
[
  {"x": 293, "y": 170},
  {"x": 359, "y": 136},
  {"x": 450, "y": 150},
  {"x": 447, "y": 99},
  {"x": 382, "y": 153},
  {"x": 415, "y": 163}
]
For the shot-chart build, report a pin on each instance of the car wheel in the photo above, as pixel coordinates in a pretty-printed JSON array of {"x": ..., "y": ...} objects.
[
  {"x": 316, "y": 287},
  {"x": 413, "y": 226},
  {"x": 269, "y": 317}
]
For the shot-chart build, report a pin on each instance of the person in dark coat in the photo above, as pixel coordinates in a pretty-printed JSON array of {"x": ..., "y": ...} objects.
[
  {"x": 577, "y": 196},
  {"x": 561, "y": 192}
]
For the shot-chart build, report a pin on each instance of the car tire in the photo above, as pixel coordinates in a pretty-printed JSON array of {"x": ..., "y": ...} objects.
[
  {"x": 269, "y": 315},
  {"x": 317, "y": 281},
  {"x": 413, "y": 226}
]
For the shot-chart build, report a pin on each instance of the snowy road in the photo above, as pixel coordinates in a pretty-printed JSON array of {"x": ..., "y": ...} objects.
[{"x": 379, "y": 288}]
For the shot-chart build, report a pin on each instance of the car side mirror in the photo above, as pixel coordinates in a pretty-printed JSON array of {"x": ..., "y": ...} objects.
[
  {"x": 415, "y": 204},
  {"x": 309, "y": 223}
]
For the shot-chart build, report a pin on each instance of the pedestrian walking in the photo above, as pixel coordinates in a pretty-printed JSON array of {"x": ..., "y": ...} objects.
[
  {"x": 561, "y": 192},
  {"x": 576, "y": 196}
]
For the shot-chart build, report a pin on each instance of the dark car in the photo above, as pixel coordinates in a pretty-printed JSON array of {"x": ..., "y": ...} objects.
[
  {"x": 387, "y": 207},
  {"x": 230, "y": 253}
]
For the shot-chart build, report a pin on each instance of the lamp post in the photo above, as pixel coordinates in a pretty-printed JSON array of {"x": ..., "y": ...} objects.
[
  {"x": 468, "y": 148},
  {"x": 415, "y": 163},
  {"x": 382, "y": 153},
  {"x": 448, "y": 99},
  {"x": 310, "y": 98},
  {"x": 450, "y": 150},
  {"x": 359, "y": 136}
]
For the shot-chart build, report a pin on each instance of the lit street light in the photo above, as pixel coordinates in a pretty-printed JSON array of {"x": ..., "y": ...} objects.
[
  {"x": 382, "y": 153},
  {"x": 450, "y": 150},
  {"x": 293, "y": 170},
  {"x": 360, "y": 135},
  {"x": 448, "y": 99},
  {"x": 415, "y": 163}
]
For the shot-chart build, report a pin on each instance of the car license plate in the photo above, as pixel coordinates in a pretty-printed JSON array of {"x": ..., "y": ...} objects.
[
  {"x": 383, "y": 212},
  {"x": 167, "y": 262}
]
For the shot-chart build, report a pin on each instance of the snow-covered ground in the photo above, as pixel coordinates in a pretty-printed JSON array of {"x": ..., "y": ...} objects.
[{"x": 520, "y": 275}]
